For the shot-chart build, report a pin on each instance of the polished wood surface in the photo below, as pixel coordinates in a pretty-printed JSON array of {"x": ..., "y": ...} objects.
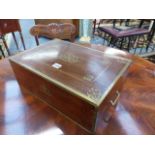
[
  {"x": 22, "y": 113},
  {"x": 71, "y": 106},
  {"x": 79, "y": 87},
  {"x": 85, "y": 72}
]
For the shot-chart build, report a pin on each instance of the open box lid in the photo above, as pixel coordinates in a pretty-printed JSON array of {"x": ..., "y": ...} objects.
[{"x": 87, "y": 73}]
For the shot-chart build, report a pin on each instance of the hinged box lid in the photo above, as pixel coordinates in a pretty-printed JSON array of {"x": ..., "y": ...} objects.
[{"x": 87, "y": 73}]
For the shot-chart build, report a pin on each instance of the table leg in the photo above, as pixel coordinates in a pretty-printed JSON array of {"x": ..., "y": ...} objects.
[{"x": 14, "y": 37}]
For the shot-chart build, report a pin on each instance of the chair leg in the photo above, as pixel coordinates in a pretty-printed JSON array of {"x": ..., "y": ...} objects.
[
  {"x": 37, "y": 40},
  {"x": 111, "y": 39},
  {"x": 136, "y": 44},
  {"x": 6, "y": 46},
  {"x": 129, "y": 45},
  {"x": 114, "y": 42},
  {"x": 21, "y": 37},
  {"x": 153, "y": 48},
  {"x": 14, "y": 37},
  {"x": 122, "y": 43},
  {"x": 127, "y": 22},
  {"x": 104, "y": 38},
  {"x": 142, "y": 45},
  {"x": 2, "y": 51},
  {"x": 150, "y": 38},
  {"x": 147, "y": 47},
  {"x": 94, "y": 27}
]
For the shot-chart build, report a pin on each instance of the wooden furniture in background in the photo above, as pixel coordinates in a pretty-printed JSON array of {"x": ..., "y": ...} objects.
[
  {"x": 2, "y": 51},
  {"x": 48, "y": 21},
  {"x": 23, "y": 113},
  {"x": 10, "y": 26},
  {"x": 127, "y": 35},
  {"x": 54, "y": 30},
  {"x": 76, "y": 22}
]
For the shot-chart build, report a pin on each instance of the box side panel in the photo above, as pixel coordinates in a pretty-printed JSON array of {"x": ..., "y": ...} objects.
[
  {"x": 108, "y": 106},
  {"x": 73, "y": 107}
]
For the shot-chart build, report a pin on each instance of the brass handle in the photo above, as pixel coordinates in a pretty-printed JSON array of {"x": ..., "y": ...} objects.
[{"x": 116, "y": 99}]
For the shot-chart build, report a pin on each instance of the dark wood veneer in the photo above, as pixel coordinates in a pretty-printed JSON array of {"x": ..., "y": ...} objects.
[
  {"x": 23, "y": 113},
  {"x": 68, "y": 103}
]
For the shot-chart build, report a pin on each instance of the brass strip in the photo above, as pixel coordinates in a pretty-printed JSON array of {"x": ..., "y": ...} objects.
[
  {"x": 72, "y": 91},
  {"x": 113, "y": 83},
  {"x": 61, "y": 85}
]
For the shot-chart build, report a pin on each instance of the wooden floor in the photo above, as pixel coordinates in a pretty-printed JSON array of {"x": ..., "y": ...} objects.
[{"x": 22, "y": 113}]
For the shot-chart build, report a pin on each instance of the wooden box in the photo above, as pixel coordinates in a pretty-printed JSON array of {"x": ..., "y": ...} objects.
[{"x": 80, "y": 82}]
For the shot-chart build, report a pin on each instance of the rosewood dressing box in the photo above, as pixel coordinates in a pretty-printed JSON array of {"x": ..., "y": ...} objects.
[{"x": 81, "y": 83}]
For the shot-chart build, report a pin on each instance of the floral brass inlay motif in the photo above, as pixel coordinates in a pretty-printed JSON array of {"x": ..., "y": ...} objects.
[
  {"x": 94, "y": 94},
  {"x": 88, "y": 78},
  {"x": 69, "y": 58}
]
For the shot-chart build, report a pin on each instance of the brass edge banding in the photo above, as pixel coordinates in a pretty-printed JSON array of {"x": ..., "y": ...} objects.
[
  {"x": 72, "y": 91},
  {"x": 113, "y": 83},
  {"x": 126, "y": 59}
]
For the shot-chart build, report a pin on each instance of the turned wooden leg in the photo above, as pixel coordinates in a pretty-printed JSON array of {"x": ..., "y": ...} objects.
[
  {"x": 2, "y": 51},
  {"x": 21, "y": 37},
  {"x": 14, "y": 37},
  {"x": 37, "y": 40},
  {"x": 5, "y": 44}
]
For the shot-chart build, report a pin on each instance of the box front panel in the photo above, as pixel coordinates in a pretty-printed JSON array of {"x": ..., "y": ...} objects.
[{"x": 73, "y": 107}]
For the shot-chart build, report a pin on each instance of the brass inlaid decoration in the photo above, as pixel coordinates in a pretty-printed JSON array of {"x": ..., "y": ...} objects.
[
  {"x": 45, "y": 90},
  {"x": 94, "y": 94},
  {"x": 69, "y": 58},
  {"x": 89, "y": 78}
]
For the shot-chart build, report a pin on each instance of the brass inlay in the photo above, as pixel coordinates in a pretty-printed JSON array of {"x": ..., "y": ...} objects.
[
  {"x": 89, "y": 78},
  {"x": 45, "y": 90},
  {"x": 94, "y": 94},
  {"x": 69, "y": 58}
]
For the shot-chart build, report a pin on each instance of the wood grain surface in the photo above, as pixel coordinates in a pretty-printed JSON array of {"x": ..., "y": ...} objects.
[{"x": 22, "y": 113}]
